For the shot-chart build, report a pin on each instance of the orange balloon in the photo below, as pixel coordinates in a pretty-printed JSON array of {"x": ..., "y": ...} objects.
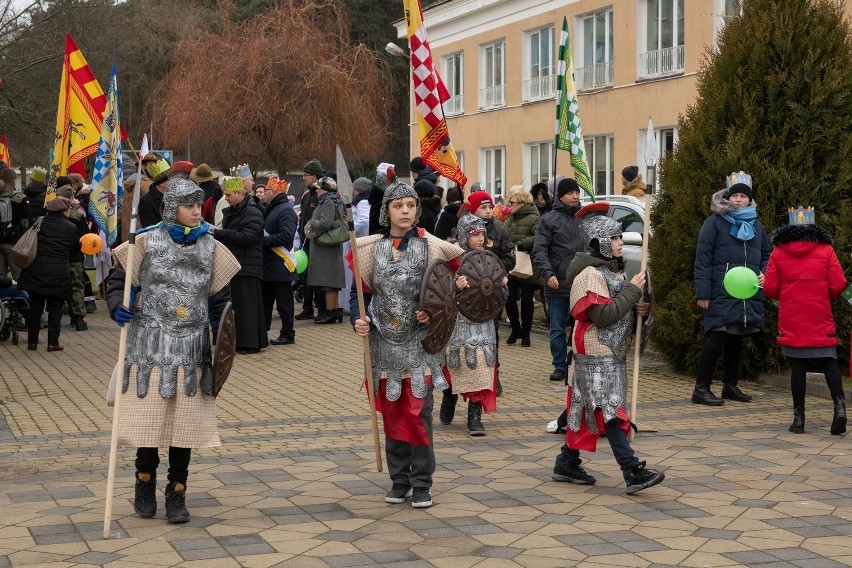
[{"x": 91, "y": 243}]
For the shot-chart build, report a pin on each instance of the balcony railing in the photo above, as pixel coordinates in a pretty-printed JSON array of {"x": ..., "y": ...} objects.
[
  {"x": 454, "y": 106},
  {"x": 661, "y": 62},
  {"x": 596, "y": 76},
  {"x": 539, "y": 88},
  {"x": 492, "y": 97}
]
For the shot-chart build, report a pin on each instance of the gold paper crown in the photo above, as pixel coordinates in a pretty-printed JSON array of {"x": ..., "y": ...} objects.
[
  {"x": 38, "y": 174},
  {"x": 801, "y": 215},
  {"x": 159, "y": 167},
  {"x": 275, "y": 184},
  {"x": 231, "y": 184}
]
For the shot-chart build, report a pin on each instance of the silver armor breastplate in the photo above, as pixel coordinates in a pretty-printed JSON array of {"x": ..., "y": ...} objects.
[
  {"x": 170, "y": 323},
  {"x": 601, "y": 381},
  {"x": 395, "y": 335},
  {"x": 471, "y": 335}
]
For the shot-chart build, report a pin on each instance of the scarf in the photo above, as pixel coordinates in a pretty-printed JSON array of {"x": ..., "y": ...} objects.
[
  {"x": 742, "y": 222},
  {"x": 180, "y": 234}
]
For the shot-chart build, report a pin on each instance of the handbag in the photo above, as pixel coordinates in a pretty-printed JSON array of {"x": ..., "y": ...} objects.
[
  {"x": 523, "y": 266},
  {"x": 337, "y": 234},
  {"x": 25, "y": 250}
]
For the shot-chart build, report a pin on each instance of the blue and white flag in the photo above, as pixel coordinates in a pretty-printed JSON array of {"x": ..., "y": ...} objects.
[{"x": 108, "y": 177}]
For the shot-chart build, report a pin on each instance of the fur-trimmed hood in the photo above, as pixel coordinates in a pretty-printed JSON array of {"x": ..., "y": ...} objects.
[
  {"x": 801, "y": 233},
  {"x": 720, "y": 205}
]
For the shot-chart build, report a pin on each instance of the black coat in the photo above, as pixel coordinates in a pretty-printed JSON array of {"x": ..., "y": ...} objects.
[
  {"x": 35, "y": 192},
  {"x": 447, "y": 222},
  {"x": 557, "y": 239},
  {"x": 500, "y": 243},
  {"x": 375, "y": 201},
  {"x": 150, "y": 208},
  {"x": 280, "y": 225},
  {"x": 242, "y": 233},
  {"x": 307, "y": 206},
  {"x": 430, "y": 208},
  {"x": 50, "y": 272}
]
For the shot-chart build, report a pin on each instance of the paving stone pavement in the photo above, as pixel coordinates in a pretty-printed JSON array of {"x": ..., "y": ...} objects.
[{"x": 295, "y": 482}]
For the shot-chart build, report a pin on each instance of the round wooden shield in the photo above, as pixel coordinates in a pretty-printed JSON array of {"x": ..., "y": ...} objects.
[
  {"x": 437, "y": 297},
  {"x": 483, "y": 299},
  {"x": 226, "y": 344}
]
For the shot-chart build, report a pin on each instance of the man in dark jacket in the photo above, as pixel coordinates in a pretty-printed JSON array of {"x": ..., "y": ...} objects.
[
  {"x": 445, "y": 226},
  {"x": 280, "y": 227},
  {"x": 242, "y": 233},
  {"x": 426, "y": 186},
  {"x": 310, "y": 175},
  {"x": 151, "y": 204},
  {"x": 557, "y": 240},
  {"x": 36, "y": 190}
]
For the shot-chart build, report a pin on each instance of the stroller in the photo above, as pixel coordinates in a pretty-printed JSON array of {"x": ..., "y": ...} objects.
[{"x": 11, "y": 318}]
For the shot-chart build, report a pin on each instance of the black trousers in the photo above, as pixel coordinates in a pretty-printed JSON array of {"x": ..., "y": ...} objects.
[
  {"x": 720, "y": 343},
  {"x": 280, "y": 294},
  {"x": 524, "y": 291},
  {"x": 147, "y": 460},
  {"x": 798, "y": 375},
  {"x": 409, "y": 464},
  {"x": 311, "y": 295},
  {"x": 54, "y": 317}
]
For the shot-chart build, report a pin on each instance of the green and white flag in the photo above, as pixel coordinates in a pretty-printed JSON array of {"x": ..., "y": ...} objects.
[{"x": 569, "y": 135}]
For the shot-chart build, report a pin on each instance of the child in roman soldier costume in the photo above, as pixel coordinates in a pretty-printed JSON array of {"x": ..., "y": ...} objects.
[
  {"x": 393, "y": 266},
  {"x": 603, "y": 303},
  {"x": 180, "y": 287}
]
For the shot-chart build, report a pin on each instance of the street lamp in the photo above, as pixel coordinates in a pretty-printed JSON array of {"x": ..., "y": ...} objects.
[
  {"x": 395, "y": 50},
  {"x": 652, "y": 154}
]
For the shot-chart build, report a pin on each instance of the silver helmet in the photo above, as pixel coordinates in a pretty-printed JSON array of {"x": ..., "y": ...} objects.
[
  {"x": 598, "y": 229},
  {"x": 397, "y": 190},
  {"x": 468, "y": 225},
  {"x": 179, "y": 191}
]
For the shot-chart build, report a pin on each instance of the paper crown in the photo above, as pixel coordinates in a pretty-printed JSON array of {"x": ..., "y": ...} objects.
[
  {"x": 275, "y": 184},
  {"x": 161, "y": 166},
  {"x": 231, "y": 184},
  {"x": 38, "y": 174},
  {"x": 241, "y": 171},
  {"x": 737, "y": 177},
  {"x": 801, "y": 215}
]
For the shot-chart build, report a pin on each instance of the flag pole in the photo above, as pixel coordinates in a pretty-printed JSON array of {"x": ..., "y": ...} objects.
[
  {"x": 122, "y": 348},
  {"x": 637, "y": 340}
]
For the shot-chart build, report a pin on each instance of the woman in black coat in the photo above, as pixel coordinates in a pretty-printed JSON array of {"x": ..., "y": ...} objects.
[{"x": 48, "y": 278}]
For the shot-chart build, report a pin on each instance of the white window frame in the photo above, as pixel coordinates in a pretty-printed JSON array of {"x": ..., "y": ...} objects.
[
  {"x": 533, "y": 172},
  {"x": 722, "y": 14},
  {"x": 451, "y": 63},
  {"x": 493, "y": 178},
  {"x": 493, "y": 95},
  {"x": 661, "y": 61},
  {"x": 595, "y": 75},
  {"x": 662, "y": 134},
  {"x": 591, "y": 143},
  {"x": 543, "y": 85}
]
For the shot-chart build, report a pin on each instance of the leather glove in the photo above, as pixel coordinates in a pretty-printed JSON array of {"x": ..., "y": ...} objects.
[{"x": 122, "y": 315}]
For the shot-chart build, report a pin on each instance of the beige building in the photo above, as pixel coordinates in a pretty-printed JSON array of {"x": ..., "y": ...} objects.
[{"x": 633, "y": 59}]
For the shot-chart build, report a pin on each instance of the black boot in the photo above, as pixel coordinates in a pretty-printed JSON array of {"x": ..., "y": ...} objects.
[
  {"x": 145, "y": 503},
  {"x": 474, "y": 419},
  {"x": 732, "y": 392},
  {"x": 798, "y": 425},
  {"x": 525, "y": 338},
  {"x": 448, "y": 407},
  {"x": 305, "y": 315},
  {"x": 702, "y": 395},
  {"x": 80, "y": 324},
  {"x": 176, "y": 512},
  {"x": 838, "y": 423},
  {"x": 516, "y": 333}
]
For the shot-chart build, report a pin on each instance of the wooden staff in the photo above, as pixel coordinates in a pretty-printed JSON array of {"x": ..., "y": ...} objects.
[
  {"x": 638, "y": 339},
  {"x": 122, "y": 349}
]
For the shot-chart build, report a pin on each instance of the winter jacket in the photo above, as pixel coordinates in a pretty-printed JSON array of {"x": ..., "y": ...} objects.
[
  {"x": 636, "y": 188},
  {"x": 21, "y": 217},
  {"x": 522, "y": 226},
  {"x": 242, "y": 233},
  {"x": 805, "y": 276},
  {"x": 557, "y": 239},
  {"x": 718, "y": 251},
  {"x": 308, "y": 205},
  {"x": 445, "y": 227},
  {"x": 498, "y": 241},
  {"x": 325, "y": 268},
  {"x": 50, "y": 272},
  {"x": 375, "y": 200},
  {"x": 280, "y": 224},
  {"x": 426, "y": 186},
  {"x": 36, "y": 192},
  {"x": 151, "y": 206}
]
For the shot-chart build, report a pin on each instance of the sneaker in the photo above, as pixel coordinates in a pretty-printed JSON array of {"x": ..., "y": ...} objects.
[
  {"x": 640, "y": 478},
  {"x": 421, "y": 498},
  {"x": 558, "y": 374},
  {"x": 398, "y": 493},
  {"x": 576, "y": 475}
]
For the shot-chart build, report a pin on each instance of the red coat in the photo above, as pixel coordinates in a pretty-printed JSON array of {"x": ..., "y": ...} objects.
[{"x": 805, "y": 276}]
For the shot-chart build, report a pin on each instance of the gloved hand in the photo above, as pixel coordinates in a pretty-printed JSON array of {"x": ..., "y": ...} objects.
[{"x": 122, "y": 315}]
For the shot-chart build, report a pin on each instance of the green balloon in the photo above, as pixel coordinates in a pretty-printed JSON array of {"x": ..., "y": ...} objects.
[
  {"x": 741, "y": 282},
  {"x": 301, "y": 261}
]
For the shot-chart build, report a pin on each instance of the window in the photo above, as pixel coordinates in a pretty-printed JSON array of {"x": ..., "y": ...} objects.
[
  {"x": 596, "y": 51},
  {"x": 454, "y": 81},
  {"x": 494, "y": 172},
  {"x": 492, "y": 71},
  {"x": 539, "y": 162},
  {"x": 600, "y": 151},
  {"x": 630, "y": 220},
  {"x": 539, "y": 71},
  {"x": 663, "y": 45},
  {"x": 733, "y": 8}
]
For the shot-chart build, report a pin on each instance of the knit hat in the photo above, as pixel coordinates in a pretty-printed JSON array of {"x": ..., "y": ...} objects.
[
  {"x": 58, "y": 204},
  {"x": 630, "y": 172},
  {"x": 477, "y": 197},
  {"x": 467, "y": 226},
  {"x": 314, "y": 168},
  {"x": 362, "y": 184},
  {"x": 62, "y": 180},
  {"x": 417, "y": 165},
  {"x": 65, "y": 191},
  {"x": 38, "y": 174},
  {"x": 397, "y": 190},
  {"x": 201, "y": 174},
  {"x": 566, "y": 186},
  {"x": 325, "y": 183},
  {"x": 739, "y": 182}
]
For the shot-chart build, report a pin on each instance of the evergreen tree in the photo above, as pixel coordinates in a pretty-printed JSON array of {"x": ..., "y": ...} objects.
[{"x": 774, "y": 100}]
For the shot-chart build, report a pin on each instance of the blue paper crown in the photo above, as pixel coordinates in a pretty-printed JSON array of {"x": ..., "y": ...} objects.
[
  {"x": 801, "y": 215},
  {"x": 241, "y": 171},
  {"x": 738, "y": 177}
]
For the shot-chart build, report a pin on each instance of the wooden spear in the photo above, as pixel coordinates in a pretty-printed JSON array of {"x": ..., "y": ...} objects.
[{"x": 638, "y": 339}]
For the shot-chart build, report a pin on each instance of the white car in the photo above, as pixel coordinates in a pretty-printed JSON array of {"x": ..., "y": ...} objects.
[{"x": 630, "y": 212}]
